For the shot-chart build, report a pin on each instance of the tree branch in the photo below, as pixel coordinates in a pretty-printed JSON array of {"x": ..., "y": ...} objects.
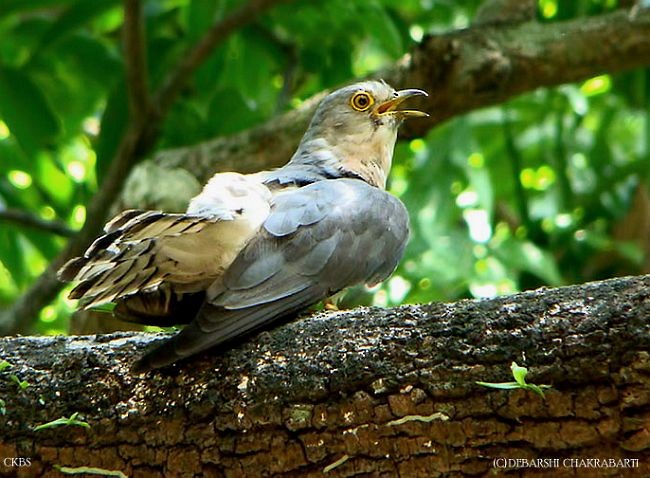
[
  {"x": 137, "y": 140},
  {"x": 25, "y": 219},
  {"x": 462, "y": 70},
  {"x": 392, "y": 390}
]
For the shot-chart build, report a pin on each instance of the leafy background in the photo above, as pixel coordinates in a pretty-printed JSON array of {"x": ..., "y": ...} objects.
[{"x": 543, "y": 190}]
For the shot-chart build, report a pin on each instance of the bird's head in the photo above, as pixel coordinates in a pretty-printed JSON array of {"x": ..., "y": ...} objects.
[{"x": 354, "y": 130}]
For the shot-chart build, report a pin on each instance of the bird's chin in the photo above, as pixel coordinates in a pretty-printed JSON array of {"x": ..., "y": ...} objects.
[
  {"x": 390, "y": 119},
  {"x": 393, "y": 119},
  {"x": 406, "y": 114}
]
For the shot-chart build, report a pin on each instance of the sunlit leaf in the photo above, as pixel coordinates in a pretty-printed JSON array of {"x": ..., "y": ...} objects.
[
  {"x": 380, "y": 26},
  {"x": 77, "y": 14},
  {"x": 12, "y": 255},
  {"x": 26, "y": 111}
]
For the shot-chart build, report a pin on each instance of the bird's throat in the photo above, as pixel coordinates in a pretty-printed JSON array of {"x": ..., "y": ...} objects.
[{"x": 368, "y": 160}]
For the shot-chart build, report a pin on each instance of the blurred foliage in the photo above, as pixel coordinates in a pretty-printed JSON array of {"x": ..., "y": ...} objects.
[{"x": 525, "y": 194}]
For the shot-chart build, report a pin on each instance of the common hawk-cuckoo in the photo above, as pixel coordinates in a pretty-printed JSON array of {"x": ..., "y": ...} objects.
[{"x": 253, "y": 249}]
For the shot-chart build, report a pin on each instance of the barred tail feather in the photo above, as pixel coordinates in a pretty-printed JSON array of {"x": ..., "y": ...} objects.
[{"x": 139, "y": 250}]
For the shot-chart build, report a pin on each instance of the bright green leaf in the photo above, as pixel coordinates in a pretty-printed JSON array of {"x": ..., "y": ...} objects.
[
  {"x": 63, "y": 421},
  {"x": 22, "y": 384},
  {"x": 501, "y": 385},
  {"x": 519, "y": 373},
  {"x": 26, "y": 111},
  {"x": 380, "y": 27},
  {"x": 78, "y": 14}
]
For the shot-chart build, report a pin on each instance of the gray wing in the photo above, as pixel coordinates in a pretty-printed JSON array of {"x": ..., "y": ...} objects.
[{"x": 317, "y": 240}]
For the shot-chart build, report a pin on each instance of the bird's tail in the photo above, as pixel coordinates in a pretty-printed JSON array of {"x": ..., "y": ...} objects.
[{"x": 137, "y": 253}]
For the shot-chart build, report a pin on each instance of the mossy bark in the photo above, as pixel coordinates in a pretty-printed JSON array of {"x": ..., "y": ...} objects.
[{"x": 366, "y": 392}]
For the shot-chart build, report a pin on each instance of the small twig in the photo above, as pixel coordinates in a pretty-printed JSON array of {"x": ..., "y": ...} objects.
[
  {"x": 288, "y": 79},
  {"x": 178, "y": 77},
  {"x": 292, "y": 63},
  {"x": 517, "y": 166},
  {"x": 505, "y": 11},
  {"x": 26, "y": 219},
  {"x": 135, "y": 60},
  {"x": 559, "y": 156}
]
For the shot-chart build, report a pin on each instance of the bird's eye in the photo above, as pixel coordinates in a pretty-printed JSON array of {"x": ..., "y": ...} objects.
[{"x": 361, "y": 101}]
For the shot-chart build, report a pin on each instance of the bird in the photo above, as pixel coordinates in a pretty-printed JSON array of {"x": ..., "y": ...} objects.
[{"x": 253, "y": 250}]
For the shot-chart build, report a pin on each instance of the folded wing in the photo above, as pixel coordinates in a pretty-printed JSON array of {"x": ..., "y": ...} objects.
[
  {"x": 151, "y": 258},
  {"x": 317, "y": 240}
]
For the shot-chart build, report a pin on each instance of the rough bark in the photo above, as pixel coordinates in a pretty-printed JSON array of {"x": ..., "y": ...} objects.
[
  {"x": 463, "y": 70},
  {"x": 367, "y": 392}
]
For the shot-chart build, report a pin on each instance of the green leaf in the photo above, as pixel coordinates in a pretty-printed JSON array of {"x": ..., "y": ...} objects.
[
  {"x": 52, "y": 181},
  {"x": 78, "y": 14},
  {"x": 25, "y": 110},
  {"x": 501, "y": 385},
  {"x": 12, "y": 157},
  {"x": 63, "y": 421},
  {"x": 239, "y": 117},
  {"x": 88, "y": 58},
  {"x": 519, "y": 373},
  {"x": 380, "y": 27},
  {"x": 4, "y": 365},
  {"x": 12, "y": 255},
  {"x": 3, "y": 408},
  {"x": 199, "y": 17},
  {"x": 537, "y": 388},
  {"x": 22, "y": 384},
  {"x": 113, "y": 124},
  {"x": 527, "y": 256},
  {"x": 10, "y": 6}
]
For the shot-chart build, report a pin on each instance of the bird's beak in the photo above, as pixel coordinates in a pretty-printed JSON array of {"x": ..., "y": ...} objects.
[{"x": 390, "y": 106}]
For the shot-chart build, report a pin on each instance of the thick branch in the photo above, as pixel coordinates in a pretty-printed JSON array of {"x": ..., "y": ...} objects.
[
  {"x": 387, "y": 392},
  {"x": 25, "y": 219},
  {"x": 462, "y": 70},
  {"x": 138, "y": 139}
]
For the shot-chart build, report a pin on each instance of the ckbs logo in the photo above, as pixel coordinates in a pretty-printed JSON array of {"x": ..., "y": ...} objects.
[{"x": 17, "y": 462}]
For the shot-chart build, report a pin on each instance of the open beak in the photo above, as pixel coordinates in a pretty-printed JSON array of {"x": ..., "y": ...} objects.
[{"x": 391, "y": 106}]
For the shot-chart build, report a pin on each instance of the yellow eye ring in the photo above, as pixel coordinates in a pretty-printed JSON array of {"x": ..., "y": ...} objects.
[{"x": 361, "y": 101}]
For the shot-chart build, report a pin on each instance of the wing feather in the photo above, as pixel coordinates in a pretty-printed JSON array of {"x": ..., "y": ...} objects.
[
  {"x": 294, "y": 262},
  {"x": 141, "y": 250},
  {"x": 352, "y": 243}
]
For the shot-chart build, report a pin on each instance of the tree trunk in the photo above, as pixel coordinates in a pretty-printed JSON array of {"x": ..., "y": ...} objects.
[{"x": 366, "y": 392}]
